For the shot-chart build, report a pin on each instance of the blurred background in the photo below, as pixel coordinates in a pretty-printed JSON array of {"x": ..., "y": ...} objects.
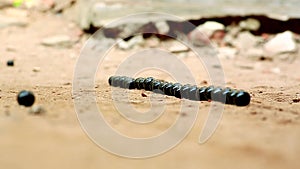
[{"x": 257, "y": 43}]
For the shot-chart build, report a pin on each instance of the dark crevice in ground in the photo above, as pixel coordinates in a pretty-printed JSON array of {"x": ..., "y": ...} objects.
[{"x": 267, "y": 25}]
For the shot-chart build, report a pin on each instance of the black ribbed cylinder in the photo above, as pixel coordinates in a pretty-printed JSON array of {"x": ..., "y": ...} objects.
[{"x": 210, "y": 93}]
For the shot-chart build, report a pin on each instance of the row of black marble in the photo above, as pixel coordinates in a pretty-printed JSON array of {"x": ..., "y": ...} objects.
[{"x": 191, "y": 92}]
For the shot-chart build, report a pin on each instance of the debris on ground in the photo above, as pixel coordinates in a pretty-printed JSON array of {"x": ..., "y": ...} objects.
[
  {"x": 10, "y": 49},
  {"x": 37, "y": 110},
  {"x": 178, "y": 47},
  {"x": 13, "y": 17},
  {"x": 10, "y": 63},
  {"x": 6, "y": 21},
  {"x": 281, "y": 43},
  {"x": 152, "y": 42},
  {"x": 245, "y": 41},
  {"x": 210, "y": 27},
  {"x": 61, "y": 41},
  {"x": 60, "y": 5},
  {"x": 144, "y": 95},
  {"x": 244, "y": 65},
  {"x": 36, "y": 69},
  {"x": 197, "y": 38},
  {"x": 163, "y": 27},
  {"x": 276, "y": 70},
  {"x": 210, "y": 30},
  {"x": 242, "y": 38},
  {"x": 273, "y": 84},
  {"x": 297, "y": 98},
  {"x": 125, "y": 45}
]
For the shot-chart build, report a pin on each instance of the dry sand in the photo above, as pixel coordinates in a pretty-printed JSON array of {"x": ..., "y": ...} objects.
[{"x": 263, "y": 135}]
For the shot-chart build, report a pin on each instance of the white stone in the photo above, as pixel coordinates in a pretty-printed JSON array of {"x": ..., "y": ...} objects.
[
  {"x": 125, "y": 45},
  {"x": 11, "y": 48},
  {"x": 37, "y": 110},
  {"x": 178, "y": 47},
  {"x": 210, "y": 27},
  {"x": 277, "y": 16},
  {"x": 281, "y": 43},
  {"x": 276, "y": 70},
  {"x": 152, "y": 42},
  {"x": 163, "y": 27},
  {"x": 58, "y": 41}
]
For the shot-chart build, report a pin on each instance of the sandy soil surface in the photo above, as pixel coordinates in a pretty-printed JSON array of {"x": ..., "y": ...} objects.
[{"x": 263, "y": 135}]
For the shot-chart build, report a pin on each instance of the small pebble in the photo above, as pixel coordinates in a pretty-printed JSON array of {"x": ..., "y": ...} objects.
[
  {"x": 264, "y": 118},
  {"x": 37, "y": 110},
  {"x": 10, "y": 49},
  {"x": 204, "y": 82},
  {"x": 10, "y": 63},
  {"x": 296, "y": 100},
  {"x": 36, "y": 69},
  {"x": 68, "y": 83}
]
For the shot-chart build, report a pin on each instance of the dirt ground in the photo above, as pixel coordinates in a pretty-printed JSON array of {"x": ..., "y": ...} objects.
[{"x": 263, "y": 135}]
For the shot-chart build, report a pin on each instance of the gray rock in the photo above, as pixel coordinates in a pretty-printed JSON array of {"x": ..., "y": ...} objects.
[
  {"x": 58, "y": 41},
  {"x": 281, "y": 43}
]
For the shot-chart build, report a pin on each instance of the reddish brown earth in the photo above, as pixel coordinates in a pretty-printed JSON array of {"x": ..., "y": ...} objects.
[{"x": 263, "y": 135}]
